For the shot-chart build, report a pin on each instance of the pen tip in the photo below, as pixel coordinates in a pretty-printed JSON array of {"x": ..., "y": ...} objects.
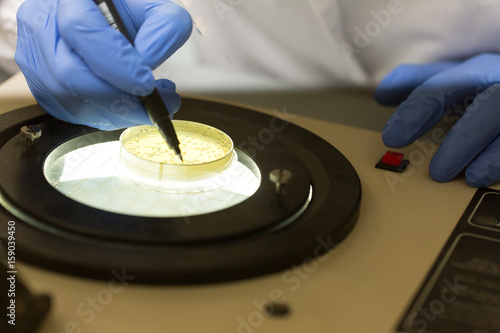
[{"x": 178, "y": 153}]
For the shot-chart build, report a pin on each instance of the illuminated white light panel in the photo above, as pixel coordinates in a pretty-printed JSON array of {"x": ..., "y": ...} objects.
[{"x": 90, "y": 176}]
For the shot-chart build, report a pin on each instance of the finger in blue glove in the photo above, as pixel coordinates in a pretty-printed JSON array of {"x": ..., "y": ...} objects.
[
  {"x": 399, "y": 83},
  {"x": 472, "y": 140},
  {"x": 485, "y": 168}
]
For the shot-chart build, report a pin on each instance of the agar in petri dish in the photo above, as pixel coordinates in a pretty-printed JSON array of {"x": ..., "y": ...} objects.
[
  {"x": 199, "y": 144},
  {"x": 146, "y": 158}
]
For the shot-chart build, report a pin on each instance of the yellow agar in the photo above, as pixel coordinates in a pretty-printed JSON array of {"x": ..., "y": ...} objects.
[{"x": 195, "y": 148}]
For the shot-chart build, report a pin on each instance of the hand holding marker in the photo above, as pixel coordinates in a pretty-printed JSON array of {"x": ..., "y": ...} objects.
[{"x": 153, "y": 103}]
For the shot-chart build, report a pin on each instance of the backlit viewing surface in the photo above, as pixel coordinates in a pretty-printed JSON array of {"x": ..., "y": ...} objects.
[{"x": 98, "y": 176}]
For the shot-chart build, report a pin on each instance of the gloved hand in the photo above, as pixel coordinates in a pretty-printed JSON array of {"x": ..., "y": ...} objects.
[
  {"x": 83, "y": 71},
  {"x": 427, "y": 92}
]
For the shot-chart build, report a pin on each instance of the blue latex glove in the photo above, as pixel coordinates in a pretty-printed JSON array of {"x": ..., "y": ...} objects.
[
  {"x": 82, "y": 71},
  {"x": 427, "y": 92}
]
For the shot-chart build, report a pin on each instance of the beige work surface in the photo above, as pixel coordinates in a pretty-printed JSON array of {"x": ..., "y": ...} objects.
[{"x": 364, "y": 285}]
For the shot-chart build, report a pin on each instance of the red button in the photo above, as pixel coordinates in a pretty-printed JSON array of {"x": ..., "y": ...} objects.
[{"x": 393, "y": 158}]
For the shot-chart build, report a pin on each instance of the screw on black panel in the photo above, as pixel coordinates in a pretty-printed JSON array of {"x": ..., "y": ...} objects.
[
  {"x": 277, "y": 309},
  {"x": 31, "y": 133},
  {"x": 280, "y": 177}
]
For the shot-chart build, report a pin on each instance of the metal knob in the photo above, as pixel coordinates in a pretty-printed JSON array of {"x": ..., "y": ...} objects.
[
  {"x": 31, "y": 133},
  {"x": 280, "y": 177}
]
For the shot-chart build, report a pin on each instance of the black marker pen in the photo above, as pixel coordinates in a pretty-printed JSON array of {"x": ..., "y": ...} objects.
[{"x": 153, "y": 103}]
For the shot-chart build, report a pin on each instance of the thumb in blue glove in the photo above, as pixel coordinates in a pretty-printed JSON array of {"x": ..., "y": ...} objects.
[
  {"x": 82, "y": 71},
  {"x": 427, "y": 92}
]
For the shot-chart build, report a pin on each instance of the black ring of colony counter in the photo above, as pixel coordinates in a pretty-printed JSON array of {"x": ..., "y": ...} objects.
[{"x": 263, "y": 234}]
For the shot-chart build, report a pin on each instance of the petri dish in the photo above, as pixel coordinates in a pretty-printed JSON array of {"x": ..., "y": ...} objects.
[{"x": 146, "y": 158}]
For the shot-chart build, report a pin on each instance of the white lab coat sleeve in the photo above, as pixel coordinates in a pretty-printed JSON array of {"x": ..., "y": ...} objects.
[
  {"x": 8, "y": 34},
  {"x": 385, "y": 33},
  {"x": 296, "y": 41},
  {"x": 311, "y": 43}
]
